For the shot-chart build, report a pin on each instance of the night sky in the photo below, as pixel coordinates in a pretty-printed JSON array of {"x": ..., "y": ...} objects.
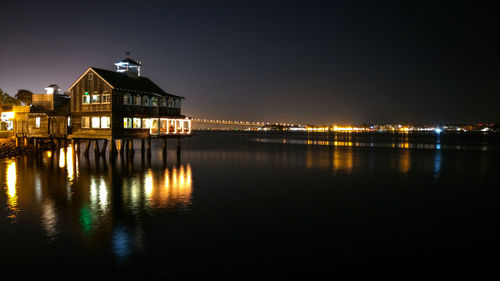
[{"x": 305, "y": 62}]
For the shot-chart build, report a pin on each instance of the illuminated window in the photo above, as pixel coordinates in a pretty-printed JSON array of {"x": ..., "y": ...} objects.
[
  {"x": 127, "y": 98},
  {"x": 86, "y": 97},
  {"x": 163, "y": 102},
  {"x": 137, "y": 123},
  {"x": 96, "y": 122},
  {"x": 145, "y": 123},
  {"x": 91, "y": 76},
  {"x": 137, "y": 100},
  {"x": 106, "y": 97},
  {"x": 145, "y": 101},
  {"x": 37, "y": 122},
  {"x": 69, "y": 121},
  {"x": 127, "y": 123},
  {"x": 96, "y": 98},
  {"x": 85, "y": 122},
  {"x": 154, "y": 101},
  {"x": 105, "y": 122}
]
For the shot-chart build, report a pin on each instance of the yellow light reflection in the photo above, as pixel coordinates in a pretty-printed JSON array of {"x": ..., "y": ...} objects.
[
  {"x": 343, "y": 160},
  {"x": 11, "y": 189},
  {"x": 62, "y": 157},
  {"x": 148, "y": 184},
  {"x": 177, "y": 188},
  {"x": 404, "y": 161},
  {"x": 69, "y": 165}
]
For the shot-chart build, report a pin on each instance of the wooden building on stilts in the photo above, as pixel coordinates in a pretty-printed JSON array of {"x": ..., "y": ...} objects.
[{"x": 107, "y": 109}]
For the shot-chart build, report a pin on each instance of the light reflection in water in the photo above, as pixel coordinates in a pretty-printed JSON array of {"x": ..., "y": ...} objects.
[
  {"x": 12, "y": 190},
  {"x": 121, "y": 243},
  {"x": 404, "y": 161},
  {"x": 174, "y": 189},
  {"x": 62, "y": 158},
  {"x": 437, "y": 163},
  {"x": 98, "y": 194},
  {"x": 95, "y": 194},
  {"x": 343, "y": 161},
  {"x": 49, "y": 218}
]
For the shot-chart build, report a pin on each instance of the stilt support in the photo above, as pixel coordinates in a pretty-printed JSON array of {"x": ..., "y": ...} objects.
[
  {"x": 96, "y": 147},
  {"x": 104, "y": 146},
  {"x": 87, "y": 147},
  {"x": 165, "y": 146},
  {"x": 112, "y": 149},
  {"x": 148, "y": 146}
]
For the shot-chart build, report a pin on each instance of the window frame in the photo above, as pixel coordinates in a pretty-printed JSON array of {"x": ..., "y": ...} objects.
[
  {"x": 147, "y": 103},
  {"x": 106, "y": 97},
  {"x": 98, "y": 121},
  {"x": 103, "y": 122},
  {"x": 137, "y": 98},
  {"x": 85, "y": 122},
  {"x": 137, "y": 121},
  {"x": 94, "y": 95},
  {"x": 152, "y": 103},
  {"x": 128, "y": 96},
  {"x": 145, "y": 123},
  {"x": 86, "y": 96},
  {"x": 163, "y": 102},
  {"x": 127, "y": 123}
]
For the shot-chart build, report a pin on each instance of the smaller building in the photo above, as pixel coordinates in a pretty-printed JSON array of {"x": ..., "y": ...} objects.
[{"x": 47, "y": 117}]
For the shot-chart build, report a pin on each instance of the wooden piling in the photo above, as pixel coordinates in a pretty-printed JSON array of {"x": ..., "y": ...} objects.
[
  {"x": 87, "y": 147},
  {"x": 122, "y": 146},
  {"x": 143, "y": 145},
  {"x": 104, "y": 146},
  {"x": 96, "y": 147},
  {"x": 131, "y": 146},
  {"x": 165, "y": 146},
  {"x": 112, "y": 148},
  {"x": 148, "y": 146}
]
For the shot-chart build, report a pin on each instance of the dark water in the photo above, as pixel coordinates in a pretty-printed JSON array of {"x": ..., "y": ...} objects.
[{"x": 244, "y": 206}]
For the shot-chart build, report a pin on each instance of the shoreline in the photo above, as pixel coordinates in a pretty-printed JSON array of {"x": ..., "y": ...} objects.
[{"x": 10, "y": 150}]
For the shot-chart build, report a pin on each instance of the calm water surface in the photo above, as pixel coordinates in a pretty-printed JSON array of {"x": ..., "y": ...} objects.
[{"x": 245, "y": 206}]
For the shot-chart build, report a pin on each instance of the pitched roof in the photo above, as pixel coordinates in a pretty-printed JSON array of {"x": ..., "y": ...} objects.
[{"x": 125, "y": 82}]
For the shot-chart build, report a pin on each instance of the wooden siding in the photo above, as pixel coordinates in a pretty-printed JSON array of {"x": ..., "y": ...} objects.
[
  {"x": 115, "y": 109},
  {"x": 50, "y": 126}
]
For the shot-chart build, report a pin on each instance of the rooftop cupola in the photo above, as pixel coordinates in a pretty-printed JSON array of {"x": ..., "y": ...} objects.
[
  {"x": 129, "y": 67},
  {"x": 53, "y": 89}
]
